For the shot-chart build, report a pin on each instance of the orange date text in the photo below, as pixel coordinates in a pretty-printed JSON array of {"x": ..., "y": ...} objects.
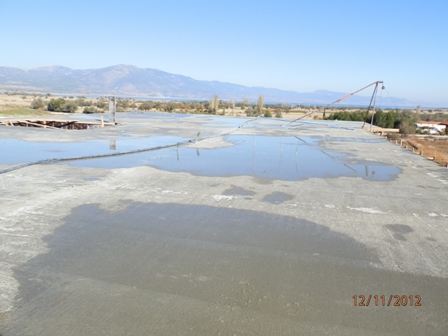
[{"x": 387, "y": 300}]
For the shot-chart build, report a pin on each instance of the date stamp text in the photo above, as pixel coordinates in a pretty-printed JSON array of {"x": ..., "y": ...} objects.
[{"x": 387, "y": 300}]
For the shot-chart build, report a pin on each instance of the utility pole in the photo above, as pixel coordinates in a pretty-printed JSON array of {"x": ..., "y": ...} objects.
[
  {"x": 112, "y": 109},
  {"x": 374, "y": 102}
]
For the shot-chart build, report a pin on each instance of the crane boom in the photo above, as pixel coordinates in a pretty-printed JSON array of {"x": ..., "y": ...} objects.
[
  {"x": 351, "y": 94},
  {"x": 347, "y": 96}
]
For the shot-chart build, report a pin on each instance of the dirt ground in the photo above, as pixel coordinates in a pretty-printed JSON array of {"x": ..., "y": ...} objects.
[{"x": 436, "y": 150}]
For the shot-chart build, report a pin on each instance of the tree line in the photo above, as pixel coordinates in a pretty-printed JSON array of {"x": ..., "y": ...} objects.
[
  {"x": 72, "y": 105},
  {"x": 404, "y": 120}
]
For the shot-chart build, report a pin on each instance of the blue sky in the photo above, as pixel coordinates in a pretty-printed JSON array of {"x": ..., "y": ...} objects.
[{"x": 296, "y": 45}]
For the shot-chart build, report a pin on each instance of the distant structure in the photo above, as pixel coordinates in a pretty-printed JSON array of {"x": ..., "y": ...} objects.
[
  {"x": 112, "y": 109},
  {"x": 431, "y": 127}
]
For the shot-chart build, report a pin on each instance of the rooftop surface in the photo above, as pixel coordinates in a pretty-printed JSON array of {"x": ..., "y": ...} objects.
[{"x": 237, "y": 226}]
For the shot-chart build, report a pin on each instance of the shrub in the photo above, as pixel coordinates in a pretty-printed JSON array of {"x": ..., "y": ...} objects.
[
  {"x": 145, "y": 106},
  {"x": 55, "y": 104},
  {"x": 69, "y": 107},
  {"x": 91, "y": 109},
  {"x": 250, "y": 112},
  {"x": 267, "y": 114},
  {"x": 101, "y": 104},
  {"x": 37, "y": 104}
]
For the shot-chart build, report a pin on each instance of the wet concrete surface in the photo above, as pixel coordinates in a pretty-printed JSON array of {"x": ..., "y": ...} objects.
[
  {"x": 277, "y": 197},
  {"x": 268, "y": 231},
  {"x": 229, "y": 259},
  {"x": 285, "y": 158},
  {"x": 235, "y": 190},
  {"x": 19, "y": 151}
]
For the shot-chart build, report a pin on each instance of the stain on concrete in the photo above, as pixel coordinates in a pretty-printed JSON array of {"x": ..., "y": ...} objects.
[
  {"x": 238, "y": 191},
  {"x": 199, "y": 270},
  {"x": 261, "y": 181},
  {"x": 277, "y": 197},
  {"x": 399, "y": 236},
  {"x": 399, "y": 230}
]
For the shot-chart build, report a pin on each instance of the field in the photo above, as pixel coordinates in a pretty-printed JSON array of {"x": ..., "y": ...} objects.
[
  {"x": 436, "y": 150},
  {"x": 13, "y": 105}
]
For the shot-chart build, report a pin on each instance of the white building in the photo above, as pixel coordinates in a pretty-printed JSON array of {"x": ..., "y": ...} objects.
[{"x": 431, "y": 127}]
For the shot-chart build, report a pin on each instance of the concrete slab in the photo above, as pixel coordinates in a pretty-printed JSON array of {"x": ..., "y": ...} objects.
[{"x": 271, "y": 229}]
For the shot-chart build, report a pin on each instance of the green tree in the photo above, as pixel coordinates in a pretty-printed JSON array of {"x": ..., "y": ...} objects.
[
  {"x": 378, "y": 118},
  {"x": 351, "y": 116},
  {"x": 56, "y": 104},
  {"x": 390, "y": 119},
  {"x": 69, "y": 107}
]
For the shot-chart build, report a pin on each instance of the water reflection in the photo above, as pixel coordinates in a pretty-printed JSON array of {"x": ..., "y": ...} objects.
[
  {"x": 283, "y": 158},
  {"x": 14, "y": 151}
]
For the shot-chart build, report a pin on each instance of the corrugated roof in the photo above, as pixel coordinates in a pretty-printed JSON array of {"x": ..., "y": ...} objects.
[{"x": 429, "y": 122}]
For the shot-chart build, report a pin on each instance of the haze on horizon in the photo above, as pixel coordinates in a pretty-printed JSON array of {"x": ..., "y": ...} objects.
[{"x": 290, "y": 45}]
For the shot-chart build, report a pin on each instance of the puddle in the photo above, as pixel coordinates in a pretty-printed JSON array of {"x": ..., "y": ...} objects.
[
  {"x": 281, "y": 158},
  {"x": 195, "y": 269},
  {"x": 277, "y": 197},
  {"x": 19, "y": 151},
  {"x": 238, "y": 191},
  {"x": 399, "y": 230}
]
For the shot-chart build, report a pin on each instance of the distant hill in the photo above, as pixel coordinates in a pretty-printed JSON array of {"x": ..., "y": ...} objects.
[{"x": 131, "y": 81}]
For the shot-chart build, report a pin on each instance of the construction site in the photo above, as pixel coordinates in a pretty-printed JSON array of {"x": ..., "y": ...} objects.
[{"x": 162, "y": 224}]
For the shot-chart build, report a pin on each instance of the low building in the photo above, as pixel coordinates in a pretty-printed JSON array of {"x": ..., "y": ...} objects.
[{"x": 431, "y": 127}]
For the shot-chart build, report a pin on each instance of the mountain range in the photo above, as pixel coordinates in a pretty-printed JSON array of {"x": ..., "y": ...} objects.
[{"x": 131, "y": 81}]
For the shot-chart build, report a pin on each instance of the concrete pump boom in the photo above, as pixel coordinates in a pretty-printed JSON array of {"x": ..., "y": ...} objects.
[
  {"x": 351, "y": 94},
  {"x": 347, "y": 96}
]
